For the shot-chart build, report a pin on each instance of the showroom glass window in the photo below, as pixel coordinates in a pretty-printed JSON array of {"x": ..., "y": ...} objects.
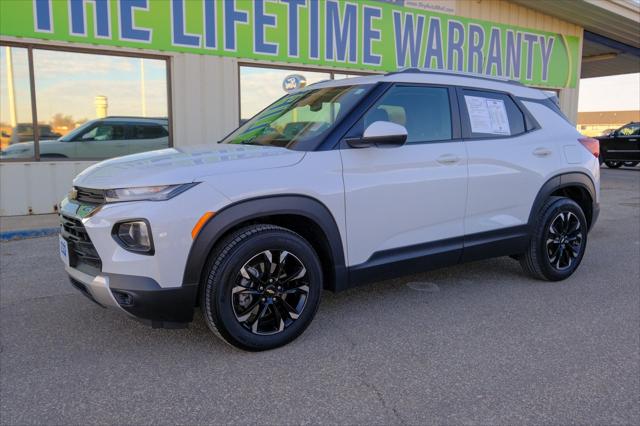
[
  {"x": 260, "y": 87},
  {"x": 16, "y": 116},
  {"x": 89, "y": 106}
]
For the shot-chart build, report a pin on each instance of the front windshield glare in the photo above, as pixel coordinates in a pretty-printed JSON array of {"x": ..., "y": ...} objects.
[
  {"x": 301, "y": 116},
  {"x": 72, "y": 134}
]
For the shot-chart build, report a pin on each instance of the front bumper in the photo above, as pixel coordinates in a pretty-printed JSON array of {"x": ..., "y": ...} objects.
[{"x": 140, "y": 297}]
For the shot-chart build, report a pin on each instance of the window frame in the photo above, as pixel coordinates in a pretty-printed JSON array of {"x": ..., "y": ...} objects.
[
  {"x": 456, "y": 129},
  {"x": 530, "y": 123},
  {"x": 33, "y": 99}
]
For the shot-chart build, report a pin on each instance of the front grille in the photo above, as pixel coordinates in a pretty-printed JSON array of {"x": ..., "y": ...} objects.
[
  {"x": 81, "y": 249},
  {"x": 90, "y": 196}
]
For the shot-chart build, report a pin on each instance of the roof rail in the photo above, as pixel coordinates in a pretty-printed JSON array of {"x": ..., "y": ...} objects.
[
  {"x": 455, "y": 73},
  {"x": 137, "y": 117}
]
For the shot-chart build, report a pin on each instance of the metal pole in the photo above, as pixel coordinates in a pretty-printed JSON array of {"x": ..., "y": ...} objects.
[
  {"x": 142, "y": 89},
  {"x": 34, "y": 109},
  {"x": 11, "y": 87}
]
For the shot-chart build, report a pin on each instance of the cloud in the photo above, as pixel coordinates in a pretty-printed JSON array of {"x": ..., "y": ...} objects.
[
  {"x": 68, "y": 82},
  {"x": 123, "y": 97}
]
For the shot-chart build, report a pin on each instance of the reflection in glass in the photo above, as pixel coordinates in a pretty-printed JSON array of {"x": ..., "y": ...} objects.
[
  {"x": 16, "y": 121},
  {"x": 338, "y": 76},
  {"x": 260, "y": 87},
  {"x": 94, "y": 106},
  {"x": 303, "y": 116}
]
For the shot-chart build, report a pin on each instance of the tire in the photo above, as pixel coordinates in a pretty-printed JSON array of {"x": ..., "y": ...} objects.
[
  {"x": 243, "y": 300},
  {"x": 631, "y": 163},
  {"x": 555, "y": 251},
  {"x": 613, "y": 164}
]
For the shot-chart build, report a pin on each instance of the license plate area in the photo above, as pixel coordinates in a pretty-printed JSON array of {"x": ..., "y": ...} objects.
[{"x": 64, "y": 251}]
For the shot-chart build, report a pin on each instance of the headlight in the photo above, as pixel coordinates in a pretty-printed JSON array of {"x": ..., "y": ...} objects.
[
  {"x": 146, "y": 193},
  {"x": 135, "y": 236}
]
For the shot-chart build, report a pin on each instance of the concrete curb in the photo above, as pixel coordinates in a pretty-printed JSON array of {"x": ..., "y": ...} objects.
[{"x": 21, "y": 234}]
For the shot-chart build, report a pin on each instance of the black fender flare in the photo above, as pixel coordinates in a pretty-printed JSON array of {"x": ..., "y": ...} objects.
[
  {"x": 560, "y": 181},
  {"x": 255, "y": 208}
]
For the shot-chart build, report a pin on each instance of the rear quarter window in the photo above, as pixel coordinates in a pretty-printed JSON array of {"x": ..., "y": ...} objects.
[{"x": 490, "y": 115}]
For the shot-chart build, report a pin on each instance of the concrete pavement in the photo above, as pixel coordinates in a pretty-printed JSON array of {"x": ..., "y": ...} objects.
[{"x": 474, "y": 344}]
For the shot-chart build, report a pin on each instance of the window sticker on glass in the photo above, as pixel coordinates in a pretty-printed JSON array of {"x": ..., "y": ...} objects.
[{"x": 487, "y": 115}]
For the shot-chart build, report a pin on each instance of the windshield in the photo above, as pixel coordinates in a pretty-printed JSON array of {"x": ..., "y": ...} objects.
[
  {"x": 76, "y": 132},
  {"x": 302, "y": 116}
]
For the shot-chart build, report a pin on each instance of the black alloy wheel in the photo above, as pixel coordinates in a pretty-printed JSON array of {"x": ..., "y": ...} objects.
[
  {"x": 558, "y": 241},
  {"x": 613, "y": 164},
  {"x": 564, "y": 240},
  {"x": 270, "y": 292},
  {"x": 262, "y": 287}
]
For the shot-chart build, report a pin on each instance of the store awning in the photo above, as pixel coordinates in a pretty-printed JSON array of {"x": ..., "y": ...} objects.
[
  {"x": 611, "y": 37},
  {"x": 603, "y": 56}
]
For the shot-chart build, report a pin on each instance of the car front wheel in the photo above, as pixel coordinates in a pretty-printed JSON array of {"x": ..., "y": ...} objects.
[
  {"x": 558, "y": 241},
  {"x": 262, "y": 287}
]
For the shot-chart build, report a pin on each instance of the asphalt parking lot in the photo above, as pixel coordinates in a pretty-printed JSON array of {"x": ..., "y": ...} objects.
[{"x": 473, "y": 344}]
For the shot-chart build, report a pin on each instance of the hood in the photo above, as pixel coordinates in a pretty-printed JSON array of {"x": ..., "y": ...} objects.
[
  {"x": 183, "y": 165},
  {"x": 18, "y": 150}
]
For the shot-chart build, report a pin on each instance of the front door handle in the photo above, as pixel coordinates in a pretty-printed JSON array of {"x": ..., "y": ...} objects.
[
  {"x": 541, "y": 152},
  {"x": 448, "y": 159}
]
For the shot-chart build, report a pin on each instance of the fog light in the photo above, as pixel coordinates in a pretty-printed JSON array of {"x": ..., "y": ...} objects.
[
  {"x": 134, "y": 236},
  {"x": 124, "y": 299}
]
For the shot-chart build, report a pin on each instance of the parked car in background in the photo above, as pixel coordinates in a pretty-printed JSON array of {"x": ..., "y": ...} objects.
[
  {"x": 99, "y": 139},
  {"x": 621, "y": 147},
  {"x": 23, "y": 132}
]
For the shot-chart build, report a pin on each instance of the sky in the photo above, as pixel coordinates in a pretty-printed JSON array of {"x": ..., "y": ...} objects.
[
  {"x": 613, "y": 93},
  {"x": 67, "y": 83}
]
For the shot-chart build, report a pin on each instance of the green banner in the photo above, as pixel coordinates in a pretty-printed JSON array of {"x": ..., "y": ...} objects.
[{"x": 359, "y": 35}]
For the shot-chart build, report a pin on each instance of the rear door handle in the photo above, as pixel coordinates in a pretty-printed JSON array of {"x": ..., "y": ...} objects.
[
  {"x": 448, "y": 159},
  {"x": 542, "y": 152}
]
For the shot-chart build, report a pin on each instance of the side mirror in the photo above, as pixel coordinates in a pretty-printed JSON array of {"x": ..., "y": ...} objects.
[{"x": 381, "y": 133}]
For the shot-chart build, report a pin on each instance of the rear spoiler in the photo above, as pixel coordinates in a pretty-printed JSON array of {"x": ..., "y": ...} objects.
[{"x": 553, "y": 96}]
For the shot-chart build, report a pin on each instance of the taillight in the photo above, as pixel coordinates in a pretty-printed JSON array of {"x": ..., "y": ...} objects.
[{"x": 593, "y": 145}]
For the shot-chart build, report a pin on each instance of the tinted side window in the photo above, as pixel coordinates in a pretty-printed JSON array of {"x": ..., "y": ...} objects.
[
  {"x": 424, "y": 111},
  {"x": 149, "y": 132},
  {"x": 490, "y": 115},
  {"x": 630, "y": 130},
  {"x": 105, "y": 132}
]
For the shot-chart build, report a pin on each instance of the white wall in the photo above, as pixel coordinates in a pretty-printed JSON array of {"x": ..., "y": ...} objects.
[
  {"x": 35, "y": 188},
  {"x": 205, "y": 108}
]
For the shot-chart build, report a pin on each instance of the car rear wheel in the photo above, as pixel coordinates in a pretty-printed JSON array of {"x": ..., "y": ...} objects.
[
  {"x": 613, "y": 164},
  {"x": 558, "y": 241},
  {"x": 631, "y": 163},
  {"x": 262, "y": 287}
]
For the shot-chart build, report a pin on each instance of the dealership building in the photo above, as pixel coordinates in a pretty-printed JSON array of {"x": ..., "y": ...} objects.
[{"x": 86, "y": 80}]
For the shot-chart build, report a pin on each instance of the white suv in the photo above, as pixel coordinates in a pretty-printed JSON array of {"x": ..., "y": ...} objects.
[{"x": 340, "y": 183}]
